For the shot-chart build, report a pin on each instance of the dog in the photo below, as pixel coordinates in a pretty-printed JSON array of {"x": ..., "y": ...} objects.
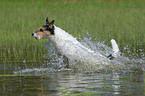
[{"x": 69, "y": 47}]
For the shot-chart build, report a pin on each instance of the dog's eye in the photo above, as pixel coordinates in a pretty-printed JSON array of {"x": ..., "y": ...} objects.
[{"x": 41, "y": 30}]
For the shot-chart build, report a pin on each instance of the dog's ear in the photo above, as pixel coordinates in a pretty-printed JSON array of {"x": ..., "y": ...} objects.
[
  {"x": 47, "y": 22},
  {"x": 51, "y": 24}
]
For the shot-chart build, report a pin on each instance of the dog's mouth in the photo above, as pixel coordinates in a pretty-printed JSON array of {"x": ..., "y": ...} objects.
[{"x": 36, "y": 38}]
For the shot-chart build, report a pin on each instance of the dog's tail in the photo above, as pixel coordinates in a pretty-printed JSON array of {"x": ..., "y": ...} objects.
[{"x": 115, "y": 50}]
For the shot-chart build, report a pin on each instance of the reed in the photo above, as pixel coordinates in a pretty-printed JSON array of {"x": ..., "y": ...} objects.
[{"x": 121, "y": 20}]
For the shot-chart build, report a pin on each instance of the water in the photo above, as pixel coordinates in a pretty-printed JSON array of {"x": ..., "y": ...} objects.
[
  {"x": 124, "y": 76},
  {"x": 71, "y": 83}
]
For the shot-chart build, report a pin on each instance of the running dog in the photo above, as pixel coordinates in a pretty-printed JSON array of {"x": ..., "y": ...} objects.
[{"x": 68, "y": 46}]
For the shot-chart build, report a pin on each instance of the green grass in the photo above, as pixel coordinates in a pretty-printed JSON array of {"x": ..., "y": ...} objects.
[{"x": 119, "y": 19}]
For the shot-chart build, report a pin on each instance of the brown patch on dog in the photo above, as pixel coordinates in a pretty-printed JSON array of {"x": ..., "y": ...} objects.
[
  {"x": 41, "y": 28},
  {"x": 44, "y": 33}
]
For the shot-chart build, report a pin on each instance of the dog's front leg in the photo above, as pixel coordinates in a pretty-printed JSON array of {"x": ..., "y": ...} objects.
[{"x": 66, "y": 61}]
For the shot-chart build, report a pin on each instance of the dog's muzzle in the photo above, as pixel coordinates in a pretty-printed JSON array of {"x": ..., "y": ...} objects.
[{"x": 34, "y": 35}]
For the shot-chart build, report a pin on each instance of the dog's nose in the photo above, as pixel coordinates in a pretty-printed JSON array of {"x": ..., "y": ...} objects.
[{"x": 32, "y": 34}]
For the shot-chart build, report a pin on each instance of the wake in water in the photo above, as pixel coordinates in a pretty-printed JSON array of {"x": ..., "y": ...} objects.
[{"x": 121, "y": 63}]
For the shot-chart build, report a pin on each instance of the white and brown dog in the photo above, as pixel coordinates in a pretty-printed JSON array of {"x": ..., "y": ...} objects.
[{"x": 69, "y": 47}]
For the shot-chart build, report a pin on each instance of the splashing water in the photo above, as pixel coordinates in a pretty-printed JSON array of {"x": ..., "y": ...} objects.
[{"x": 121, "y": 63}]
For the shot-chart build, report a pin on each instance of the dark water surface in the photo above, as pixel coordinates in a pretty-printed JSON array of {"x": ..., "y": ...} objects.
[{"x": 63, "y": 83}]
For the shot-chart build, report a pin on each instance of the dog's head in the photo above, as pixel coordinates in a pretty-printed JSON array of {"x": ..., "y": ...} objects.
[{"x": 45, "y": 31}]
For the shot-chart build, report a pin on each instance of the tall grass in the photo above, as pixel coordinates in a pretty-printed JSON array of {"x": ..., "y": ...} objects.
[{"x": 122, "y": 20}]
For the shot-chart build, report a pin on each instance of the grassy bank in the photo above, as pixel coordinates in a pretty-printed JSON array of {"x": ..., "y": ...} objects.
[{"x": 104, "y": 20}]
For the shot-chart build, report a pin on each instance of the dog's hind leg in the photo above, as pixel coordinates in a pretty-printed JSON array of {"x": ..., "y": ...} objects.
[{"x": 66, "y": 61}]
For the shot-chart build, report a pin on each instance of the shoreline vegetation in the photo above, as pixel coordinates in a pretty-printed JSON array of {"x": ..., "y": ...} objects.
[{"x": 122, "y": 20}]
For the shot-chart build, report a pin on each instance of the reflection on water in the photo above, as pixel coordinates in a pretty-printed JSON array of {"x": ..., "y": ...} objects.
[{"x": 68, "y": 83}]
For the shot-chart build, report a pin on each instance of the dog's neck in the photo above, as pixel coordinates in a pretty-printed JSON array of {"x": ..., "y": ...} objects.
[{"x": 60, "y": 36}]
